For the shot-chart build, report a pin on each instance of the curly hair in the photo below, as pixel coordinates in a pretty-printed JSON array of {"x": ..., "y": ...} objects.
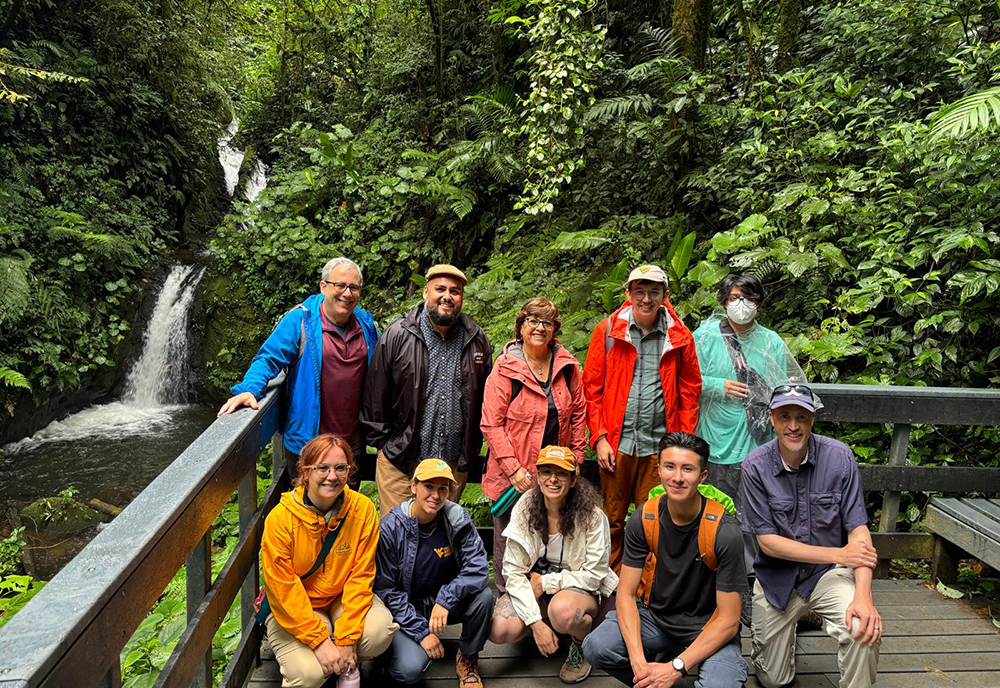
[
  {"x": 541, "y": 309},
  {"x": 316, "y": 449},
  {"x": 576, "y": 512}
]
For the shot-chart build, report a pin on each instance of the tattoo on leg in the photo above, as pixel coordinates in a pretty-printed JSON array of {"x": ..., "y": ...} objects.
[{"x": 504, "y": 608}]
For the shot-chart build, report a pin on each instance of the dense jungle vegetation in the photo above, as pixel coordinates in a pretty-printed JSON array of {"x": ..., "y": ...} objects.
[{"x": 843, "y": 151}]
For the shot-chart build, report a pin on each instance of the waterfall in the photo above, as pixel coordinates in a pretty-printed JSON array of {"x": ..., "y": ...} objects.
[
  {"x": 161, "y": 374},
  {"x": 230, "y": 158},
  {"x": 157, "y": 384}
]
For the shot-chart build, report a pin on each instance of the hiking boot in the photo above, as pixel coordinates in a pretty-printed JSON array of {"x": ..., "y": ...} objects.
[
  {"x": 576, "y": 667},
  {"x": 467, "y": 669}
]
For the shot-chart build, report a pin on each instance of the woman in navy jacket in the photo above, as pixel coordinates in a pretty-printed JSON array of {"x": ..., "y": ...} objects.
[{"x": 431, "y": 570}]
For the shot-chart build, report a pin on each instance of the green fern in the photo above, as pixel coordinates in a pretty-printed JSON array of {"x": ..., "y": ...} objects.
[
  {"x": 12, "y": 378},
  {"x": 15, "y": 289},
  {"x": 619, "y": 106},
  {"x": 972, "y": 113},
  {"x": 579, "y": 241}
]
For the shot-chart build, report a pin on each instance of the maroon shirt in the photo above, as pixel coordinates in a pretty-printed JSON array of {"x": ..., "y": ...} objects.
[{"x": 344, "y": 366}]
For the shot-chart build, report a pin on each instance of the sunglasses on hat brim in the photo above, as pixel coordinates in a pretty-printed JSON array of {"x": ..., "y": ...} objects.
[{"x": 791, "y": 390}]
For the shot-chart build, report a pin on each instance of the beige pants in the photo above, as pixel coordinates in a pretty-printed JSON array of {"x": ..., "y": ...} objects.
[
  {"x": 394, "y": 485},
  {"x": 298, "y": 663},
  {"x": 773, "y": 632}
]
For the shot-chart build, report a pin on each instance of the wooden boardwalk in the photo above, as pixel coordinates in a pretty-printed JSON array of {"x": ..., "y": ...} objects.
[{"x": 929, "y": 640}]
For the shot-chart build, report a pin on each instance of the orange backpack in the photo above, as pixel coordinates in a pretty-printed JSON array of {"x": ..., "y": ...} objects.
[{"x": 707, "y": 530}]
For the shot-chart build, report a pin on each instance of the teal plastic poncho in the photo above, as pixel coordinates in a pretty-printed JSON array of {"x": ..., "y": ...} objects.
[{"x": 722, "y": 420}]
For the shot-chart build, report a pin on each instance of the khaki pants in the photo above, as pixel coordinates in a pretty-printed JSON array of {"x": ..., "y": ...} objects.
[
  {"x": 773, "y": 632},
  {"x": 298, "y": 663},
  {"x": 633, "y": 478},
  {"x": 394, "y": 485}
]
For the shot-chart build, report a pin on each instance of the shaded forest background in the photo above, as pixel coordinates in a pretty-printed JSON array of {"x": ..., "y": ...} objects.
[{"x": 544, "y": 145}]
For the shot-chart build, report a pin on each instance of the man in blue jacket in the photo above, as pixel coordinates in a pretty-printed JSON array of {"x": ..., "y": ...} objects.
[
  {"x": 431, "y": 571},
  {"x": 326, "y": 343}
]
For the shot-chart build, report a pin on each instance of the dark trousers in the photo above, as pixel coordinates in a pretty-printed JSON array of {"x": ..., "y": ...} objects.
[{"x": 406, "y": 661}]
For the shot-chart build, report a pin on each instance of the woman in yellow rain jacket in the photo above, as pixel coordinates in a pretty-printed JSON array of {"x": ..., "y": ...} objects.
[{"x": 328, "y": 622}]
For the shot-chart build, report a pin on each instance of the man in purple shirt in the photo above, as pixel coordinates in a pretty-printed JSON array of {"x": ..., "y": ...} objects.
[{"x": 802, "y": 499}]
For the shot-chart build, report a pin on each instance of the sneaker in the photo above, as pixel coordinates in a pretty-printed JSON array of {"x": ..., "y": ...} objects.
[
  {"x": 576, "y": 667},
  {"x": 467, "y": 669},
  {"x": 350, "y": 679}
]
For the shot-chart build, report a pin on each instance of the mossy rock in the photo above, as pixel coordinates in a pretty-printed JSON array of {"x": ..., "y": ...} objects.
[{"x": 60, "y": 515}]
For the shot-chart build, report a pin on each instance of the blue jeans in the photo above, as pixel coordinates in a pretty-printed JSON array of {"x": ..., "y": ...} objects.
[
  {"x": 406, "y": 661},
  {"x": 605, "y": 649}
]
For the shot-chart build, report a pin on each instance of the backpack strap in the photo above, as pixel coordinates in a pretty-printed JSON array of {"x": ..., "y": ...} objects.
[
  {"x": 651, "y": 529},
  {"x": 707, "y": 530},
  {"x": 325, "y": 550}
]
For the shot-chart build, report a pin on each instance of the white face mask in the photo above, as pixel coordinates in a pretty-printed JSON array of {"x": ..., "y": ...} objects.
[{"x": 742, "y": 311}]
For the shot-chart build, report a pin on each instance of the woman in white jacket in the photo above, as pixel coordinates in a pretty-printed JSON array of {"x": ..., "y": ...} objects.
[{"x": 556, "y": 563}]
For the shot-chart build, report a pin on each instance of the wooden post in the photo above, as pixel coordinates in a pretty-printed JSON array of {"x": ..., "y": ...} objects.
[
  {"x": 199, "y": 580},
  {"x": 890, "y": 498},
  {"x": 247, "y": 501},
  {"x": 944, "y": 565},
  {"x": 277, "y": 456},
  {"x": 112, "y": 679}
]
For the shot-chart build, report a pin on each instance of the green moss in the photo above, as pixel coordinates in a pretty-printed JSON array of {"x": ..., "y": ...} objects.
[{"x": 60, "y": 515}]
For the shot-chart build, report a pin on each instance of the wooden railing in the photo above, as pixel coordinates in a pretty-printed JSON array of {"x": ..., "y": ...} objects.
[{"x": 73, "y": 631}]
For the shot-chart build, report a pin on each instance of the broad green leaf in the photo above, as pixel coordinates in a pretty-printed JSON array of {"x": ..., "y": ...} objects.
[
  {"x": 799, "y": 262},
  {"x": 682, "y": 257},
  {"x": 949, "y": 592}
]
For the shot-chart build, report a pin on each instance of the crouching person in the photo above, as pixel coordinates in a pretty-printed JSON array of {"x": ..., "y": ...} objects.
[
  {"x": 432, "y": 571},
  {"x": 802, "y": 499},
  {"x": 682, "y": 583},
  {"x": 318, "y": 556},
  {"x": 556, "y": 563}
]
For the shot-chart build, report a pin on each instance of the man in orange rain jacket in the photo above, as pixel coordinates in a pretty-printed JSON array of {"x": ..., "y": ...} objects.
[{"x": 641, "y": 381}]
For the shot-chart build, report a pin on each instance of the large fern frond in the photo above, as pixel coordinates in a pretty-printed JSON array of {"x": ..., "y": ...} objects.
[
  {"x": 580, "y": 241},
  {"x": 12, "y": 378},
  {"x": 971, "y": 113},
  {"x": 619, "y": 106},
  {"x": 15, "y": 288}
]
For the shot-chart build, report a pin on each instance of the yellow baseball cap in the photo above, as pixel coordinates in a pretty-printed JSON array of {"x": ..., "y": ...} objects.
[
  {"x": 445, "y": 270},
  {"x": 557, "y": 456},
  {"x": 428, "y": 469}
]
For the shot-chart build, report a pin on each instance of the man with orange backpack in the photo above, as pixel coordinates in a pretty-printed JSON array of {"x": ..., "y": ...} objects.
[
  {"x": 681, "y": 584},
  {"x": 641, "y": 381}
]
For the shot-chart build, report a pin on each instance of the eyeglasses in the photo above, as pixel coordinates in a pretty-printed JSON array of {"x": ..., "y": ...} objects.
[
  {"x": 545, "y": 324},
  {"x": 323, "y": 469},
  {"x": 342, "y": 286},
  {"x": 792, "y": 390},
  {"x": 732, "y": 300},
  {"x": 547, "y": 473},
  {"x": 641, "y": 294}
]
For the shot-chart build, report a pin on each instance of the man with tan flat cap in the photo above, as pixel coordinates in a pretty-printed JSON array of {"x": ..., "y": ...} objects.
[{"x": 424, "y": 392}]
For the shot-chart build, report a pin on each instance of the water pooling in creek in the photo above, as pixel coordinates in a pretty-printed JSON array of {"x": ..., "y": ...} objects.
[{"x": 112, "y": 451}]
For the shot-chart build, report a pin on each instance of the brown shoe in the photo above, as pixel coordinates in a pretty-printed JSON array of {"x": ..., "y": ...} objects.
[
  {"x": 467, "y": 669},
  {"x": 576, "y": 667}
]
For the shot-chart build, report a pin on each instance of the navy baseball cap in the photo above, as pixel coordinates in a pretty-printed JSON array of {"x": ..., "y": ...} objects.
[{"x": 793, "y": 395}]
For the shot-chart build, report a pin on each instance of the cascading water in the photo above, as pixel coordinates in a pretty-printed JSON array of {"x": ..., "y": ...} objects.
[
  {"x": 230, "y": 158},
  {"x": 158, "y": 382}
]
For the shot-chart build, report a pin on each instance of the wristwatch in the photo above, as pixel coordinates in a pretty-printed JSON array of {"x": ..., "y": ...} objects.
[{"x": 678, "y": 665}]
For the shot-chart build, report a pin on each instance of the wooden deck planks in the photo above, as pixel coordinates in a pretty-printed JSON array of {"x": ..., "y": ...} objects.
[{"x": 929, "y": 641}]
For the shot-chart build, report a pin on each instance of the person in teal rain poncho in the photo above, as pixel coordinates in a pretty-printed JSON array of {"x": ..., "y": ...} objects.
[{"x": 741, "y": 362}]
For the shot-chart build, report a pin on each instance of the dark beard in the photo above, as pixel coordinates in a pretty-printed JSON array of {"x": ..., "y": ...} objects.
[{"x": 442, "y": 319}]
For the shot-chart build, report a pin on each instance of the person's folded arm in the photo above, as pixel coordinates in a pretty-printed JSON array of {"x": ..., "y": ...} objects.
[{"x": 286, "y": 595}]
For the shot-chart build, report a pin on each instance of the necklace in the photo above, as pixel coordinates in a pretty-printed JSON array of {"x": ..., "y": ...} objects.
[
  {"x": 537, "y": 370},
  {"x": 427, "y": 534}
]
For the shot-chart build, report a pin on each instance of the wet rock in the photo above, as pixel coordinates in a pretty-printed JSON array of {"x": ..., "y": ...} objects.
[{"x": 59, "y": 515}]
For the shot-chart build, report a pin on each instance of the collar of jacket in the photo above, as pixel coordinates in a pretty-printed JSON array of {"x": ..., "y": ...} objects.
[
  {"x": 513, "y": 365},
  {"x": 678, "y": 334},
  {"x": 454, "y": 515},
  {"x": 411, "y": 323},
  {"x": 310, "y": 514}
]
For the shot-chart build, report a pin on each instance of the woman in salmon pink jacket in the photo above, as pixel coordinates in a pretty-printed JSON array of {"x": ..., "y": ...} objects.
[{"x": 533, "y": 398}]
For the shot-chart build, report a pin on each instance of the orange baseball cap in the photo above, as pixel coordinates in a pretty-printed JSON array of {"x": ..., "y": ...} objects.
[
  {"x": 557, "y": 456},
  {"x": 428, "y": 469}
]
